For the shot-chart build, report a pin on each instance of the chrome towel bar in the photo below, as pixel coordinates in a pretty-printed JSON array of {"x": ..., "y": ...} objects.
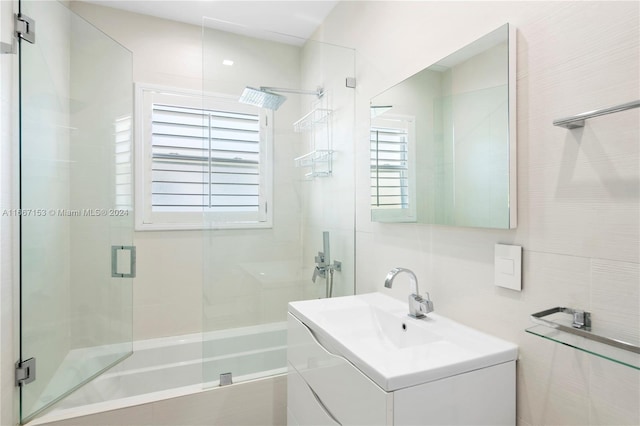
[
  {"x": 577, "y": 120},
  {"x": 579, "y": 328}
]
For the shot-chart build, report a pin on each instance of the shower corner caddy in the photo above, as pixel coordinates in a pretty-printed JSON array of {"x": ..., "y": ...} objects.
[
  {"x": 318, "y": 160},
  {"x": 578, "y": 334},
  {"x": 312, "y": 119}
]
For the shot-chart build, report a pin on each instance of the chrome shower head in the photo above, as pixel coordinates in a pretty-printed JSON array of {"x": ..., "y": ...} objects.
[{"x": 262, "y": 98}]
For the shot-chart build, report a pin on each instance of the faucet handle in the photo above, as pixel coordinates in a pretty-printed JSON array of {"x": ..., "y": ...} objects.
[
  {"x": 428, "y": 304},
  {"x": 419, "y": 307}
]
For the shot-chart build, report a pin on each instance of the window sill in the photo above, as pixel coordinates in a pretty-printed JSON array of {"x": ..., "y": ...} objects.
[{"x": 203, "y": 226}]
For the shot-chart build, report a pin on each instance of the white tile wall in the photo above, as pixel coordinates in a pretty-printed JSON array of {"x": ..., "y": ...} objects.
[
  {"x": 578, "y": 191},
  {"x": 613, "y": 408},
  {"x": 615, "y": 284}
]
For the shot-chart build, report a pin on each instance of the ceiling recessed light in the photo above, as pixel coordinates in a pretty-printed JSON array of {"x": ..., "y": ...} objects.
[{"x": 227, "y": 62}]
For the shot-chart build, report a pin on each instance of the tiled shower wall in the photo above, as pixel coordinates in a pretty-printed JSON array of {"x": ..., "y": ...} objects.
[{"x": 578, "y": 191}]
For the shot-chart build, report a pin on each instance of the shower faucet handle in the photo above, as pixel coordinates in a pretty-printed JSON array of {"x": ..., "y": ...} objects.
[{"x": 318, "y": 272}]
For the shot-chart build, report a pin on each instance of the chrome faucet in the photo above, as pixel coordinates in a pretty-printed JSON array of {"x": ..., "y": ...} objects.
[
  {"x": 418, "y": 307},
  {"x": 321, "y": 267},
  {"x": 324, "y": 265}
]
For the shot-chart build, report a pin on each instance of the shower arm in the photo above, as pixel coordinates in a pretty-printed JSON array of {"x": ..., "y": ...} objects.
[{"x": 318, "y": 92}]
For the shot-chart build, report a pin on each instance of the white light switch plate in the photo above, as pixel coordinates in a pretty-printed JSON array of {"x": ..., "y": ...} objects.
[{"x": 508, "y": 266}]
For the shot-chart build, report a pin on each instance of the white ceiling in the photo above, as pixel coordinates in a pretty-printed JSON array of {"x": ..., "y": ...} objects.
[{"x": 273, "y": 20}]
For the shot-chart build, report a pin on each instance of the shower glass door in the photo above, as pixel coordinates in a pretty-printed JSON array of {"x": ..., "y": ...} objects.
[
  {"x": 76, "y": 218},
  {"x": 299, "y": 184}
]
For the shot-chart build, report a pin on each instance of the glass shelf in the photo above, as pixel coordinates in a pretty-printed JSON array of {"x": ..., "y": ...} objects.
[{"x": 583, "y": 344}]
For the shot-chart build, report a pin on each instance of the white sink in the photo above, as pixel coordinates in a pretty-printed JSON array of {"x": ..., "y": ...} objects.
[{"x": 374, "y": 332}]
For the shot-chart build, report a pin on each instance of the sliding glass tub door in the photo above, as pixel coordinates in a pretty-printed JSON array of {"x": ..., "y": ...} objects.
[{"x": 76, "y": 218}]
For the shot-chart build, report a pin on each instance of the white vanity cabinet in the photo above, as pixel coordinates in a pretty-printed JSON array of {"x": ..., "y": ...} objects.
[
  {"x": 329, "y": 383},
  {"x": 326, "y": 388}
]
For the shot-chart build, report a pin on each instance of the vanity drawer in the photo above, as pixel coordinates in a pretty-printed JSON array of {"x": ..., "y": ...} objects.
[
  {"x": 345, "y": 392},
  {"x": 303, "y": 406}
]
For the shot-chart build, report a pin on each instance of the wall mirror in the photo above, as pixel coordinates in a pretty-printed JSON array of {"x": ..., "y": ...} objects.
[{"x": 443, "y": 145}]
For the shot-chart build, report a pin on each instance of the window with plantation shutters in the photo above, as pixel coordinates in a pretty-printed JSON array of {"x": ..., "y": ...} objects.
[{"x": 206, "y": 162}]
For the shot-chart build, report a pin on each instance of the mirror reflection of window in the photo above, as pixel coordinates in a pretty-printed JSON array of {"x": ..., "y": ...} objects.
[{"x": 392, "y": 165}]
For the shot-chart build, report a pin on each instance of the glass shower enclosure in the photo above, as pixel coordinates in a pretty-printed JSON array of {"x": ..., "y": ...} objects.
[
  {"x": 300, "y": 158},
  {"x": 76, "y": 221}
]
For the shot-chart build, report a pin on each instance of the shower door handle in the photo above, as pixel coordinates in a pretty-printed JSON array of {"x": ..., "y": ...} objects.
[{"x": 117, "y": 255}]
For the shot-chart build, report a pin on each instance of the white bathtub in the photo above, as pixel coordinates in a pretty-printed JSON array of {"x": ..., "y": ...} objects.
[{"x": 177, "y": 366}]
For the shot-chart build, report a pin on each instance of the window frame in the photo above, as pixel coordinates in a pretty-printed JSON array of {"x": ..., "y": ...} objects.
[{"x": 148, "y": 220}]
